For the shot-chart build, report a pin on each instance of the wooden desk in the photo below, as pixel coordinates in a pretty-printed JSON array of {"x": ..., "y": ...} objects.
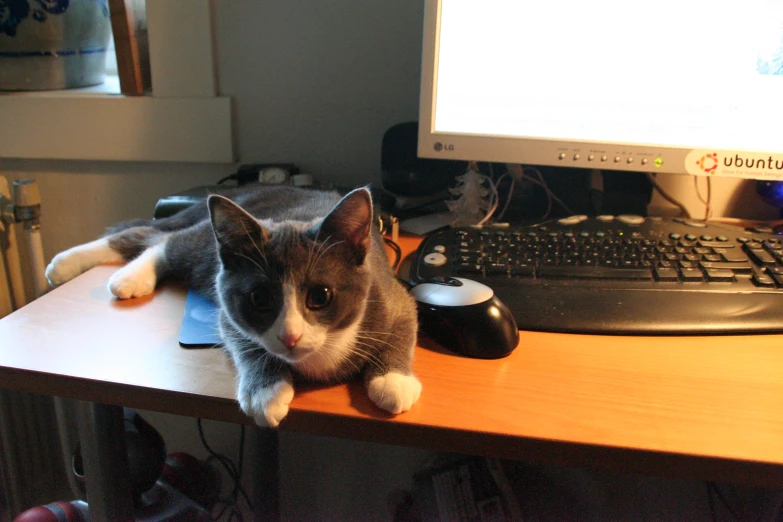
[{"x": 700, "y": 407}]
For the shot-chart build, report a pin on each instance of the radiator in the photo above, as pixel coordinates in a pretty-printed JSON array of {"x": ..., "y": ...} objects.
[{"x": 32, "y": 461}]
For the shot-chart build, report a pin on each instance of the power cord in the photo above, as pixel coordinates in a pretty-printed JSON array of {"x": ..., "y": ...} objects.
[
  {"x": 397, "y": 253},
  {"x": 712, "y": 488},
  {"x": 230, "y": 504},
  {"x": 706, "y": 201},
  {"x": 526, "y": 173},
  {"x": 683, "y": 210}
]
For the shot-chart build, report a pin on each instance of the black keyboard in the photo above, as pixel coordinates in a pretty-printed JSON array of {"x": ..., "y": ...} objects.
[{"x": 620, "y": 275}]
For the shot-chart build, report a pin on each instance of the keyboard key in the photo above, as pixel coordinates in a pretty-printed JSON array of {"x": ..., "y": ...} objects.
[
  {"x": 497, "y": 268},
  {"x": 778, "y": 279},
  {"x": 715, "y": 244},
  {"x": 600, "y": 272},
  {"x": 759, "y": 278},
  {"x": 691, "y": 275},
  {"x": 468, "y": 268},
  {"x": 717, "y": 275},
  {"x": 761, "y": 256},
  {"x": 736, "y": 256},
  {"x": 523, "y": 270},
  {"x": 667, "y": 274},
  {"x": 743, "y": 267},
  {"x": 435, "y": 259}
]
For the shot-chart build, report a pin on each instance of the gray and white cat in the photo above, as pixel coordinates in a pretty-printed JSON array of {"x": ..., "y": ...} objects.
[{"x": 303, "y": 284}]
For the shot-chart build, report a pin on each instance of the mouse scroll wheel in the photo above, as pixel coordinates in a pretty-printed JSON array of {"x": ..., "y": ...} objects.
[{"x": 446, "y": 281}]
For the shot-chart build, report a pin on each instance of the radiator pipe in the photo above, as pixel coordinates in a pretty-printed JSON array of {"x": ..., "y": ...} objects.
[
  {"x": 10, "y": 246},
  {"x": 27, "y": 210}
]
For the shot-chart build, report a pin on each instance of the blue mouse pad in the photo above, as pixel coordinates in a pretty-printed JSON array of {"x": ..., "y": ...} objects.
[{"x": 199, "y": 322}]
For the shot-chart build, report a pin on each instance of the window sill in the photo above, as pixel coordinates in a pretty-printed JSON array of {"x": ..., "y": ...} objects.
[
  {"x": 98, "y": 126},
  {"x": 184, "y": 121}
]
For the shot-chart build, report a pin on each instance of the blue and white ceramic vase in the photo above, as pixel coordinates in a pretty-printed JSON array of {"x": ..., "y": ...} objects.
[{"x": 53, "y": 44}]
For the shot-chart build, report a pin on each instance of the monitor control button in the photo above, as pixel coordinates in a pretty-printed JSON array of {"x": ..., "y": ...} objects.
[
  {"x": 562, "y": 156},
  {"x": 572, "y": 220},
  {"x": 644, "y": 161},
  {"x": 630, "y": 160},
  {"x": 630, "y": 219},
  {"x": 576, "y": 157},
  {"x": 617, "y": 159},
  {"x": 591, "y": 157}
]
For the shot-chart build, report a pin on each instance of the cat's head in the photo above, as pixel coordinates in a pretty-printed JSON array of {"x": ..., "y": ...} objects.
[{"x": 297, "y": 289}]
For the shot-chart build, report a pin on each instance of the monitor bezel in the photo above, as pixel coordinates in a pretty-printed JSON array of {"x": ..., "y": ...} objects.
[{"x": 571, "y": 153}]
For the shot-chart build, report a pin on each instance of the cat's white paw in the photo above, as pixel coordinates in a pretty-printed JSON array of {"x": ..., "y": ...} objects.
[
  {"x": 394, "y": 392},
  {"x": 139, "y": 277},
  {"x": 133, "y": 281},
  {"x": 269, "y": 405},
  {"x": 65, "y": 266},
  {"x": 72, "y": 262}
]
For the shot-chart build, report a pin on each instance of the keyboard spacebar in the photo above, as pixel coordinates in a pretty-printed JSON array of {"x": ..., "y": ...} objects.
[{"x": 594, "y": 272}]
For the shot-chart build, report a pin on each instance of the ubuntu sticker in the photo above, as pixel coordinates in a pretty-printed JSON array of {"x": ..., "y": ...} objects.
[{"x": 708, "y": 163}]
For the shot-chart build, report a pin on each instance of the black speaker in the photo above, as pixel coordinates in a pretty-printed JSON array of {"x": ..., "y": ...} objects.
[{"x": 404, "y": 173}]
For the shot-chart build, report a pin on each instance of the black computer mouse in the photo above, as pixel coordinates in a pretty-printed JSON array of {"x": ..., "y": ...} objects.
[{"x": 466, "y": 317}]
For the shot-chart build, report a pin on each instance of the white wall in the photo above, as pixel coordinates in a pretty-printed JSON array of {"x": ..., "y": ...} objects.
[{"x": 318, "y": 83}]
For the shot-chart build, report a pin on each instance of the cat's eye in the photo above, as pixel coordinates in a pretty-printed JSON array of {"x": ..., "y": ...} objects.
[
  {"x": 319, "y": 297},
  {"x": 261, "y": 299}
]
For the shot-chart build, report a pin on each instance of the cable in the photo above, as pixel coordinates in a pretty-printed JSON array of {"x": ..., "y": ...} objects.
[
  {"x": 228, "y": 178},
  {"x": 684, "y": 211},
  {"x": 711, "y": 503},
  {"x": 549, "y": 194},
  {"x": 493, "y": 202},
  {"x": 397, "y": 253},
  {"x": 705, "y": 202},
  {"x": 510, "y": 193},
  {"x": 712, "y": 487},
  {"x": 231, "y": 504}
]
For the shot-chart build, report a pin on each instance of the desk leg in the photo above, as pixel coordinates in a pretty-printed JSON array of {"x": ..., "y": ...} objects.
[
  {"x": 106, "y": 469},
  {"x": 266, "y": 476}
]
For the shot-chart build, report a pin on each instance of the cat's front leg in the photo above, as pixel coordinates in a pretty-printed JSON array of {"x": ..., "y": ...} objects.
[
  {"x": 394, "y": 392},
  {"x": 267, "y": 404},
  {"x": 264, "y": 384},
  {"x": 74, "y": 261},
  {"x": 390, "y": 382}
]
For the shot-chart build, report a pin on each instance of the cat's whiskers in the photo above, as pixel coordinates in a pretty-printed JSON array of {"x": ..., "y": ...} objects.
[
  {"x": 253, "y": 241},
  {"x": 366, "y": 353},
  {"x": 321, "y": 251},
  {"x": 340, "y": 356},
  {"x": 310, "y": 254},
  {"x": 260, "y": 268},
  {"x": 390, "y": 334}
]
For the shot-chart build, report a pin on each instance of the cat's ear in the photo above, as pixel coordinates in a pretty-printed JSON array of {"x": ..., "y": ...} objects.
[
  {"x": 350, "y": 221},
  {"x": 233, "y": 227}
]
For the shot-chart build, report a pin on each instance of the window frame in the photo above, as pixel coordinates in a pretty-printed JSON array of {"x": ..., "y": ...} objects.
[{"x": 182, "y": 119}]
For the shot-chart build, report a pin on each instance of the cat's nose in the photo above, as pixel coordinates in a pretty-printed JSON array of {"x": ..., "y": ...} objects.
[{"x": 289, "y": 340}]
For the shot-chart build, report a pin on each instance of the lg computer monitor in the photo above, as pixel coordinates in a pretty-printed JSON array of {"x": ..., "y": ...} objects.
[{"x": 675, "y": 86}]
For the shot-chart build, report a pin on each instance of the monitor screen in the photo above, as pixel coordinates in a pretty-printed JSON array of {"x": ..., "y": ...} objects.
[{"x": 675, "y": 86}]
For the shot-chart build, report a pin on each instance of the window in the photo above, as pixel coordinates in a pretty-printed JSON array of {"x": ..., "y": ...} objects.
[{"x": 183, "y": 119}]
